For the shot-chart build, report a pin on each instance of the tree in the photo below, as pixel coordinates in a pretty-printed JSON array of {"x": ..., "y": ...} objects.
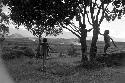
[
  {"x": 45, "y": 14},
  {"x": 4, "y": 29},
  {"x": 80, "y": 31},
  {"x": 4, "y": 21},
  {"x": 100, "y": 10},
  {"x": 39, "y": 16},
  {"x": 86, "y": 10},
  {"x": 97, "y": 11}
]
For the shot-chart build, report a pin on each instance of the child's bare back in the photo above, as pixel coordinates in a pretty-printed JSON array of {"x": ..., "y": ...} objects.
[{"x": 44, "y": 47}]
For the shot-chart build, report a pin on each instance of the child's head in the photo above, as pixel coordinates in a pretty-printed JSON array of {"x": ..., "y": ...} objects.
[
  {"x": 106, "y": 32},
  {"x": 44, "y": 39}
]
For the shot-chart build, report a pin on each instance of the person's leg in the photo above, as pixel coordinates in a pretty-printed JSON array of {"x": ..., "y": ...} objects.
[
  {"x": 106, "y": 47},
  {"x": 44, "y": 61},
  {"x": 43, "y": 57}
]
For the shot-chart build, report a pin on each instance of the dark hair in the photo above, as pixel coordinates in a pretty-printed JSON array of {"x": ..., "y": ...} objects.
[
  {"x": 44, "y": 39},
  {"x": 106, "y": 32}
]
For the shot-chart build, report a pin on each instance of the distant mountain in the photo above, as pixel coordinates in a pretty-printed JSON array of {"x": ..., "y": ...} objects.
[
  {"x": 15, "y": 35},
  {"x": 26, "y": 33},
  {"x": 65, "y": 35},
  {"x": 22, "y": 32}
]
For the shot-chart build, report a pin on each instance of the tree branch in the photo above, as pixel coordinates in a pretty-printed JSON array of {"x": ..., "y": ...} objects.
[
  {"x": 88, "y": 19},
  {"x": 74, "y": 29},
  {"x": 77, "y": 28},
  {"x": 95, "y": 3},
  {"x": 74, "y": 25},
  {"x": 92, "y": 12},
  {"x": 61, "y": 24},
  {"x": 102, "y": 17},
  {"x": 99, "y": 10},
  {"x": 81, "y": 11}
]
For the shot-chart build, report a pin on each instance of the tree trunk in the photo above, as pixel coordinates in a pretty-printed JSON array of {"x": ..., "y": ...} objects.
[
  {"x": 83, "y": 44},
  {"x": 93, "y": 49}
]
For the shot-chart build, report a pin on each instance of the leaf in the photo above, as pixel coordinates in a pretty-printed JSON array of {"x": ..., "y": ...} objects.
[
  {"x": 117, "y": 3},
  {"x": 106, "y": 1}
]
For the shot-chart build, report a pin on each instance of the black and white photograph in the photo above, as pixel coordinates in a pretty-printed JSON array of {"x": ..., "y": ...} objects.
[{"x": 62, "y": 41}]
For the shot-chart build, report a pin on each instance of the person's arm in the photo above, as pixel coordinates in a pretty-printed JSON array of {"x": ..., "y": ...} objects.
[
  {"x": 113, "y": 42},
  {"x": 89, "y": 30},
  {"x": 101, "y": 33}
]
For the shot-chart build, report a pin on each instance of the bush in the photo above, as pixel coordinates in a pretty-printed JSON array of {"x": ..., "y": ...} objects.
[
  {"x": 92, "y": 65},
  {"x": 72, "y": 51},
  {"x": 7, "y": 53},
  {"x": 17, "y": 52},
  {"x": 26, "y": 51},
  {"x": 6, "y": 49},
  {"x": 29, "y": 52},
  {"x": 11, "y": 53},
  {"x": 7, "y": 56},
  {"x": 116, "y": 59}
]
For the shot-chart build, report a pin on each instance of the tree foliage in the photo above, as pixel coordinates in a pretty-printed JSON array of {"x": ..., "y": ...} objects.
[
  {"x": 4, "y": 21},
  {"x": 43, "y": 14},
  {"x": 117, "y": 12}
]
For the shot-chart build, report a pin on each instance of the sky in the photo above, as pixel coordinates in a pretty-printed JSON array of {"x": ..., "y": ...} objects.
[{"x": 116, "y": 28}]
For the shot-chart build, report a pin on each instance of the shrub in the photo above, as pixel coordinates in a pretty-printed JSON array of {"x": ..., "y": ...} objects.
[
  {"x": 23, "y": 50},
  {"x": 17, "y": 53},
  {"x": 7, "y": 56},
  {"x": 72, "y": 51},
  {"x": 116, "y": 59},
  {"x": 29, "y": 52},
  {"x": 6, "y": 49},
  {"x": 92, "y": 65},
  {"x": 11, "y": 53}
]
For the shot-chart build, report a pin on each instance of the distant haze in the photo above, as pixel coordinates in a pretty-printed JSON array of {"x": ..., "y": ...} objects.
[
  {"x": 22, "y": 32},
  {"x": 65, "y": 34}
]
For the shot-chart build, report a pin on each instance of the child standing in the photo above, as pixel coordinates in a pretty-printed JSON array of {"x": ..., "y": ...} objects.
[
  {"x": 44, "y": 51},
  {"x": 107, "y": 40}
]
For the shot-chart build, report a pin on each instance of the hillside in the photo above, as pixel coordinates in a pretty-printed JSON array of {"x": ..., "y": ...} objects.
[
  {"x": 15, "y": 35},
  {"x": 24, "y": 33},
  {"x": 66, "y": 35}
]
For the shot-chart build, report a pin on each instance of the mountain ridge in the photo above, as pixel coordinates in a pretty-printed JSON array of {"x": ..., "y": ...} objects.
[
  {"x": 15, "y": 35},
  {"x": 64, "y": 34}
]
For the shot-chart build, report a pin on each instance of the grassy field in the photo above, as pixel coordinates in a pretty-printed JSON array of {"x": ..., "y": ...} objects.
[
  {"x": 59, "y": 45},
  {"x": 60, "y": 69}
]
